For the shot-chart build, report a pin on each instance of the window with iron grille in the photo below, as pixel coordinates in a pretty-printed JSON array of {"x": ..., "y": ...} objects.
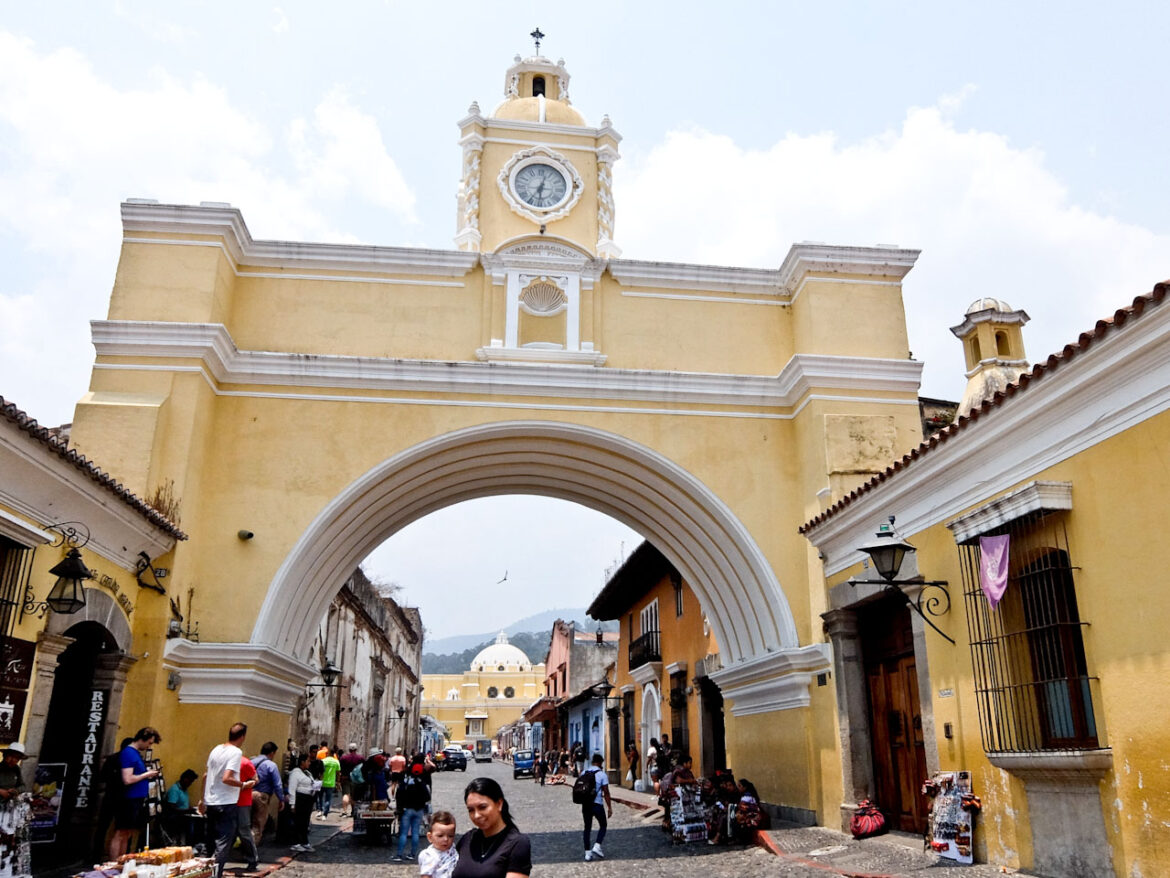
[
  {"x": 15, "y": 567},
  {"x": 679, "y": 734},
  {"x": 1032, "y": 684},
  {"x": 629, "y": 733}
]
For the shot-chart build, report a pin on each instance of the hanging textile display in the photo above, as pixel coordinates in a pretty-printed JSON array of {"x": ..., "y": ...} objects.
[{"x": 950, "y": 826}]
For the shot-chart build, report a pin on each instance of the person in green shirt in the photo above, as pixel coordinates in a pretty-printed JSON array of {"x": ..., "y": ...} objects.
[{"x": 331, "y": 765}]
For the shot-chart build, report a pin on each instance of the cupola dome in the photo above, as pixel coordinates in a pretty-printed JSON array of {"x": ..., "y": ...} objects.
[
  {"x": 500, "y": 656},
  {"x": 537, "y": 90}
]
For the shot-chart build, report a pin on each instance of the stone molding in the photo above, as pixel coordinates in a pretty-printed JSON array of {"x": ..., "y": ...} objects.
[
  {"x": 21, "y": 532},
  {"x": 1032, "y": 497},
  {"x": 650, "y": 672},
  {"x": 103, "y": 609},
  {"x": 226, "y": 222},
  {"x": 237, "y": 673},
  {"x": 990, "y": 315},
  {"x": 212, "y": 344},
  {"x": 776, "y": 681},
  {"x": 1058, "y": 768},
  {"x": 802, "y": 259}
]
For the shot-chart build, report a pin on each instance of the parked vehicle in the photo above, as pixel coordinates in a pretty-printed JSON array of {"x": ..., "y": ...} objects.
[
  {"x": 453, "y": 758},
  {"x": 523, "y": 762}
]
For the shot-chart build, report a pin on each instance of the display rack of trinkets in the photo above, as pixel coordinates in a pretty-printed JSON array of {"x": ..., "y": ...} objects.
[
  {"x": 688, "y": 822},
  {"x": 15, "y": 851}
]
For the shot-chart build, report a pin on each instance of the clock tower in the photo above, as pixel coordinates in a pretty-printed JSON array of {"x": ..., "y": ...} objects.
[
  {"x": 536, "y": 202},
  {"x": 534, "y": 167}
]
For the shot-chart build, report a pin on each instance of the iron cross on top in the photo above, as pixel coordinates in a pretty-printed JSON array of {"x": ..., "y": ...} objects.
[{"x": 537, "y": 36}]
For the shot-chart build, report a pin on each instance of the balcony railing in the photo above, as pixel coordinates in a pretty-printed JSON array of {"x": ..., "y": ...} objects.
[{"x": 645, "y": 649}]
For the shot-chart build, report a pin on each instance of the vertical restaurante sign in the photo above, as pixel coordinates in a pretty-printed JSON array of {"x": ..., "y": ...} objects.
[{"x": 91, "y": 747}]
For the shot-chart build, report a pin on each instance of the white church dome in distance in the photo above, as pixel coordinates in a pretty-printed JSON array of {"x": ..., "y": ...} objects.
[{"x": 501, "y": 656}]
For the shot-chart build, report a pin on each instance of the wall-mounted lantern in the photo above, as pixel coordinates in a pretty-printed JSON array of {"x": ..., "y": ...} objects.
[{"x": 887, "y": 550}]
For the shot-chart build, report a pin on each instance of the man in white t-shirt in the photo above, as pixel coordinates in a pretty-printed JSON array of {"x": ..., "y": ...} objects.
[
  {"x": 221, "y": 793},
  {"x": 600, "y": 808}
]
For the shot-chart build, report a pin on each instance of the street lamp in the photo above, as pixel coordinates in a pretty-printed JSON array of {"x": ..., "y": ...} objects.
[
  {"x": 887, "y": 550},
  {"x": 329, "y": 673},
  {"x": 67, "y": 595},
  {"x": 601, "y": 690}
]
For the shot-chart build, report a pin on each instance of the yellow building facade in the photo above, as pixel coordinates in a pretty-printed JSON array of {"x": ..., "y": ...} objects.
[
  {"x": 1052, "y": 697},
  {"x": 323, "y": 396},
  {"x": 82, "y": 604},
  {"x": 666, "y": 652},
  {"x": 492, "y": 693}
]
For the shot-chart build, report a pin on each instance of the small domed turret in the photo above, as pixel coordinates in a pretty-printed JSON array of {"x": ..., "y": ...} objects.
[
  {"x": 993, "y": 344},
  {"x": 537, "y": 90}
]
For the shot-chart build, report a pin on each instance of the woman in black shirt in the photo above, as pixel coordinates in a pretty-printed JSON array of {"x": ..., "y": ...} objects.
[{"x": 495, "y": 848}]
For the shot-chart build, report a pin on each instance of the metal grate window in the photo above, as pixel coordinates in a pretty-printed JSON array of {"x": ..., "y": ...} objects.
[
  {"x": 1032, "y": 683},
  {"x": 15, "y": 567}
]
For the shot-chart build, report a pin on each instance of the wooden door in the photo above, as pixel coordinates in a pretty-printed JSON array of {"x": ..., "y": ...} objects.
[
  {"x": 899, "y": 753},
  {"x": 895, "y": 715}
]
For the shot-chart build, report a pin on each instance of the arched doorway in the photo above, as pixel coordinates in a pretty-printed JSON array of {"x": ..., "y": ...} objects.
[
  {"x": 75, "y": 742},
  {"x": 651, "y": 723}
]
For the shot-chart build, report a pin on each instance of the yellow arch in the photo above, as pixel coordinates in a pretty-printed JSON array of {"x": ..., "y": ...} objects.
[{"x": 604, "y": 471}]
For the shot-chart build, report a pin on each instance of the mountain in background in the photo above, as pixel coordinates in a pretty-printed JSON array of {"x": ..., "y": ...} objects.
[
  {"x": 453, "y": 655},
  {"x": 537, "y": 622}
]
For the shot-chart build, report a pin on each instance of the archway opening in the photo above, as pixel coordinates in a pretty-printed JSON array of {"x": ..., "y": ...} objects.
[
  {"x": 74, "y": 742},
  {"x": 747, "y": 612}
]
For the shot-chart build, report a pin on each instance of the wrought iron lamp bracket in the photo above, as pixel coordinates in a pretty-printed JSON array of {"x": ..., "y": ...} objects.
[
  {"x": 75, "y": 535},
  {"x": 926, "y": 603}
]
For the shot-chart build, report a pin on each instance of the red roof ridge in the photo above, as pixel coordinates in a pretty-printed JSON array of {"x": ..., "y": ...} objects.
[
  {"x": 46, "y": 437},
  {"x": 1084, "y": 341}
]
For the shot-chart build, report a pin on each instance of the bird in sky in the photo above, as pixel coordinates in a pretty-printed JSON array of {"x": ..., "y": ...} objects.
[{"x": 505, "y": 577}]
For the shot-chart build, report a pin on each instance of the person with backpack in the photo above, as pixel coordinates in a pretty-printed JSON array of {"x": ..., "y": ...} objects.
[
  {"x": 591, "y": 792},
  {"x": 413, "y": 797}
]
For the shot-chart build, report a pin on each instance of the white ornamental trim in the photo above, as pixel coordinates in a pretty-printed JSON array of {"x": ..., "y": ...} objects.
[
  {"x": 540, "y": 155},
  {"x": 247, "y": 674},
  {"x": 228, "y": 224},
  {"x": 892, "y": 262},
  {"x": 1033, "y": 497},
  {"x": 513, "y": 372},
  {"x": 19, "y": 531},
  {"x": 776, "y": 681},
  {"x": 651, "y": 672}
]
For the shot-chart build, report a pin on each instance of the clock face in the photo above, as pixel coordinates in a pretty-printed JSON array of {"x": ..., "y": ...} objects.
[{"x": 540, "y": 186}]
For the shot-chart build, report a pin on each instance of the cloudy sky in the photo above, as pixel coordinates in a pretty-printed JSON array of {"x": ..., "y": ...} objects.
[{"x": 1021, "y": 146}]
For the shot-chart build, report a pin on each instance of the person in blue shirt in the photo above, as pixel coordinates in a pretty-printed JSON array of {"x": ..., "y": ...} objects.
[
  {"x": 136, "y": 778},
  {"x": 268, "y": 794},
  {"x": 177, "y": 809}
]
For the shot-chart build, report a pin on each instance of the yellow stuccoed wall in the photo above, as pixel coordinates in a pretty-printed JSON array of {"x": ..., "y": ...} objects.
[
  {"x": 240, "y": 461},
  {"x": 1114, "y": 486}
]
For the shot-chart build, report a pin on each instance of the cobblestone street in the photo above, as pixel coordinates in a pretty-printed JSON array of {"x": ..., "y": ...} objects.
[
  {"x": 553, "y": 823},
  {"x": 635, "y": 845}
]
